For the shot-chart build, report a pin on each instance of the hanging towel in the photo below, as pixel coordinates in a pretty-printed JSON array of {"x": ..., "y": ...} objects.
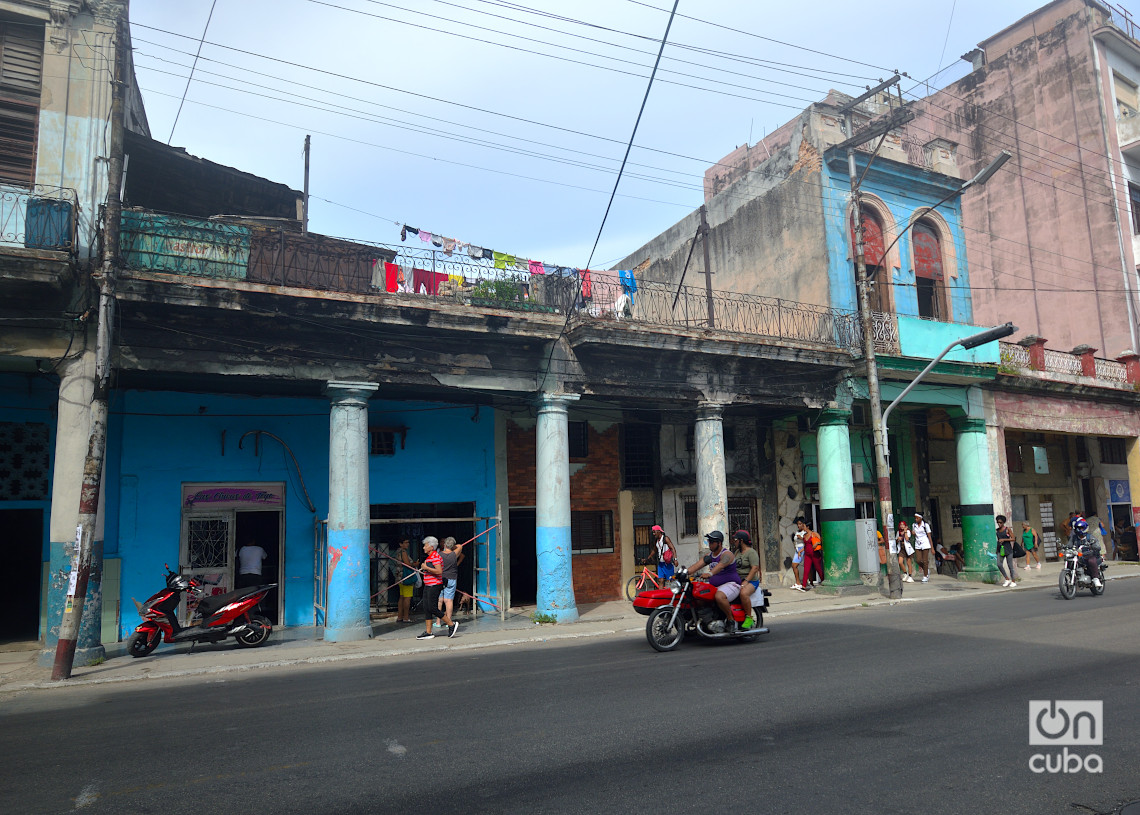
[
  {"x": 587, "y": 285},
  {"x": 488, "y": 254},
  {"x": 536, "y": 267},
  {"x": 422, "y": 281},
  {"x": 502, "y": 260},
  {"x": 391, "y": 277},
  {"x": 457, "y": 279},
  {"x": 476, "y": 252}
]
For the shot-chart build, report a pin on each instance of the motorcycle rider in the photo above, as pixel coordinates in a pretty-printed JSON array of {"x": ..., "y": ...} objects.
[
  {"x": 1089, "y": 549},
  {"x": 722, "y": 574}
]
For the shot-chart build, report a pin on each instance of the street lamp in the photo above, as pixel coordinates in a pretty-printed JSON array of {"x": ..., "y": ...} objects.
[{"x": 878, "y": 418}]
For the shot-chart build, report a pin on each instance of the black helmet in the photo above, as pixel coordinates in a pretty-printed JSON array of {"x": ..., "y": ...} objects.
[{"x": 715, "y": 535}]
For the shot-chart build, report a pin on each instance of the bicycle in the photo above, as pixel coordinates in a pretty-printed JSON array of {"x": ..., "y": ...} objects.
[{"x": 646, "y": 580}]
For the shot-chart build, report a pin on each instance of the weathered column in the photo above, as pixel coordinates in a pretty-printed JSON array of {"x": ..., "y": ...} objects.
[
  {"x": 73, "y": 425},
  {"x": 837, "y": 504},
  {"x": 712, "y": 486},
  {"x": 975, "y": 494},
  {"x": 552, "y": 510},
  {"x": 347, "y": 612}
]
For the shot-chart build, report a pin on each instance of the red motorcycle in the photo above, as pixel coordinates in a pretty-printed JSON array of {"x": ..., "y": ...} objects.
[
  {"x": 689, "y": 607},
  {"x": 217, "y": 617}
]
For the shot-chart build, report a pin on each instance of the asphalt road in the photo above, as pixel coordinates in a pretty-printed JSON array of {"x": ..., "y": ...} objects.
[{"x": 919, "y": 708}]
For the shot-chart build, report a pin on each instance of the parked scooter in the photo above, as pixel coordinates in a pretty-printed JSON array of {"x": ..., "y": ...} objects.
[
  {"x": 689, "y": 607},
  {"x": 216, "y": 617},
  {"x": 1074, "y": 575}
]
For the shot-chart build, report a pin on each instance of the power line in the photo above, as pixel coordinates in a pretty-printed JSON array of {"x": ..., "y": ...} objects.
[{"x": 201, "y": 40}]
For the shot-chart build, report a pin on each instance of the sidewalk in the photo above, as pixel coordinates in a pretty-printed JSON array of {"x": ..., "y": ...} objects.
[{"x": 303, "y": 646}]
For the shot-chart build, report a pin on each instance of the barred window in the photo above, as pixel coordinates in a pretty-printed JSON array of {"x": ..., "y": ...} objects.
[
  {"x": 591, "y": 533},
  {"x": 639, "y": 456},
  {"x": 689, "y": 505},
  {"x": 1112, "y": 451}
]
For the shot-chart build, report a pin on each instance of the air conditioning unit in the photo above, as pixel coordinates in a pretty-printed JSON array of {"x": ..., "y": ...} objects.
[{"x": 857, "y": 473}]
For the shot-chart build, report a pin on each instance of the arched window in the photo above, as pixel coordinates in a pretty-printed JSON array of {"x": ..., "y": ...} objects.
[
  {"x": 873, "y": 257},
  {"x": 928, "y": 275}
]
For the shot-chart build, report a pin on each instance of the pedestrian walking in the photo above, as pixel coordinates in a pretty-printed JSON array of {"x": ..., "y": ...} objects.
[
  {"x": 450, "y": 557},
  {"x": 433, "y": 581},
  {"x": 813, "y": 555},
  {"x": 923, "y": 545},
  {"x": 1030, "y": 542},
  {"x": 1005, "y": 553},
  {"x": 903, "y": 549}
]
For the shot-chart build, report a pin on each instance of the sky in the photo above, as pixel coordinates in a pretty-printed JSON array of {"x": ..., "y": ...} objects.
[{"x": 504, "y": 124}]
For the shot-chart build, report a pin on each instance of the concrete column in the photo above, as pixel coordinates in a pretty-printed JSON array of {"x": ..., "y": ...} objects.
[
  {"x": 837, "y": 505},
  {"x": 347, "y": 617},
  {"x": 552, "y": 510},
  {"x": 975, "y": 494},
  {"x": 1133, "y": 453},
  {"x": 712, "y": 486},
  {"x": 73, "y": 426}
]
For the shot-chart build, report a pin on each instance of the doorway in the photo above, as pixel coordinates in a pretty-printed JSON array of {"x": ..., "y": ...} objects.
[
  {"x": 21, "y": 552},
  {"x": 524, "y": 557},
  {"x": 262, "y": 528}
]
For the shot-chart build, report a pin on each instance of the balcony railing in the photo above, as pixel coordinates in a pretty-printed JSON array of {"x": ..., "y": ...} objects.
[
  {"x": 40, "y": 217},
  {"x": 244, "y": 250},
  {"x": 1046, "y": 363}
]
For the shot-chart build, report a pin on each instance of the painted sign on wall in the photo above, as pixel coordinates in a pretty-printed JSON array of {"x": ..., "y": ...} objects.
[{"x": 236, "y": 495}]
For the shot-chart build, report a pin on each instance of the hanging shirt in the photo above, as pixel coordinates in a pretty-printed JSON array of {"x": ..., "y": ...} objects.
[
  {"x": 628, "y": 281},
  {"x": 391, "y": 277},
  {"x": 536, "y": 267},
  {"x": 502, "y": 261},
  {"x": 587, "y": 286}
]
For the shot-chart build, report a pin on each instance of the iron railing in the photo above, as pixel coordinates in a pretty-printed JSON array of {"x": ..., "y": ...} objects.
[
  {"x": 39, "y": 217},
  {"x": 1122, "y": 19}
]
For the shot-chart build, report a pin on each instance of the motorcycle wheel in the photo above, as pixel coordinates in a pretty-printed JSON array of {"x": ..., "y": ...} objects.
[
  {"x": 142, "y": 643},
  {"x": 1067, "y": 586},
  {"x": 1097, "y": 592},
  {"x": 259, "y": 635},
  {"x": 661, "y": 635}
]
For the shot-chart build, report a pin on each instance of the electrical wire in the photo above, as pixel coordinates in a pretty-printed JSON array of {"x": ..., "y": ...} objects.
[{"x": 201, "y": 40}]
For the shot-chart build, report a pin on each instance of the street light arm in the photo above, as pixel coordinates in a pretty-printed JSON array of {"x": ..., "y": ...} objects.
[{"x": 973, "y": 341}]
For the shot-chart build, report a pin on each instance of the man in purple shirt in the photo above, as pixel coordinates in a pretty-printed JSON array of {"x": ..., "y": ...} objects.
[{"x": 722, "y": 573}]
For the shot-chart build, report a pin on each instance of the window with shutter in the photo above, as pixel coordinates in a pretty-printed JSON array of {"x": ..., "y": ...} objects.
[{"x": 21, "y": 68}]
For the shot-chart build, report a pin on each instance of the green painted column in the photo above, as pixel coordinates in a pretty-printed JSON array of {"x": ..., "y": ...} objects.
[
  {"x": 975, "y": 494},
  {"x": 837, "y": 503}
]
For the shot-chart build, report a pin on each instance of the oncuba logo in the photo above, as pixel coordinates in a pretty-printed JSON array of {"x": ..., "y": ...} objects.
[{"x": 1066, "y": 723}]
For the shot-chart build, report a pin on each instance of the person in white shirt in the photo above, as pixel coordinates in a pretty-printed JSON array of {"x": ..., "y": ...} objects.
[
  {"x": 923, "y": 545},
  {"x": 250, "y": 559}
]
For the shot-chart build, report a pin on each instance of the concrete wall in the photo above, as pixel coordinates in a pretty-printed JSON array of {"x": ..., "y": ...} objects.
[
  {"x": 767, "y": 233},
  {"x": 1043, "y": 233},
  {"x": 161, "y": 440},
  {"x": 925, "y": 339}
]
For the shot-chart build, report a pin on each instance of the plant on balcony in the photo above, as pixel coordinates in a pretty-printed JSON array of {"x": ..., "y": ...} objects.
[{"x": 496, "y": 291}]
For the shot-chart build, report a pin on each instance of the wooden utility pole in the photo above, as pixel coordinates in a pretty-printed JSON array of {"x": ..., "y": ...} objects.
[
  {"x": 704, "y": 233},
  {"x": 97, "y": 437},
  {"x": 305, "y": 205}
]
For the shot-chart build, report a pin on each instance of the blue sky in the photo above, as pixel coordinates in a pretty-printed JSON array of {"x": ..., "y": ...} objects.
[{"x": 503, "y": 124}]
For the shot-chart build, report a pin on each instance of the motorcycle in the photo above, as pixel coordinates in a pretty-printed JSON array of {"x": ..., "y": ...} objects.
[
  {"x": 217, "y": 617},
  {"x": 689, "y": 608},
  {"x": 1073, "y": 574}
]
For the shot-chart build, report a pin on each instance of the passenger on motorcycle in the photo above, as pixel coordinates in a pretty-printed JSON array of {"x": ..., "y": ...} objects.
[
  {"x": 1089, "y": 549},
  {"x": 722, "y": 574}
]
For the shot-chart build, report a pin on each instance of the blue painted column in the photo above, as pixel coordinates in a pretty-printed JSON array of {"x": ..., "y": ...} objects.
[
  {"x": 552, "y": 510},
  {"x": 712, "y": 484},
  {"x": 347, "y": 552},
  {"x": 975, "y": 494},
  {"x": 73, "y": 428},
  {"x": 837, "y": 504}
]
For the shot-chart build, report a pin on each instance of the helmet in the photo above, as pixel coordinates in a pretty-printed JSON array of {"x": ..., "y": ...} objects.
[
  {"x": 742, "y": 535},
  {"x": 1081, "y": 525},
  {"x": 715, "y": 535}
]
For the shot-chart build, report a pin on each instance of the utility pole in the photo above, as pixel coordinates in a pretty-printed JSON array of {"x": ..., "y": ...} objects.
[
  {"x": 703, "y": 231},
  {"x": 97, "y": 437},
  {"x": 305, "y": 205},
  {"x": 866, "y": 320}
]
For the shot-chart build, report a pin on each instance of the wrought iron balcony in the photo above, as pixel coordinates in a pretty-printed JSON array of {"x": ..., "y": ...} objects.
[{"x": 40, "y": 217}]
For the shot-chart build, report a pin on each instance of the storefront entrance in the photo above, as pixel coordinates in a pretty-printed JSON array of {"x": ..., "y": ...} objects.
[{"x": 217, "y": 520}]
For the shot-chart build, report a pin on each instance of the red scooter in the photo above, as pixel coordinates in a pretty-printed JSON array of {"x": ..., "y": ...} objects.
[
  {"x": 690, "y": 608},
  {"x": 217, "y": 617}
]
